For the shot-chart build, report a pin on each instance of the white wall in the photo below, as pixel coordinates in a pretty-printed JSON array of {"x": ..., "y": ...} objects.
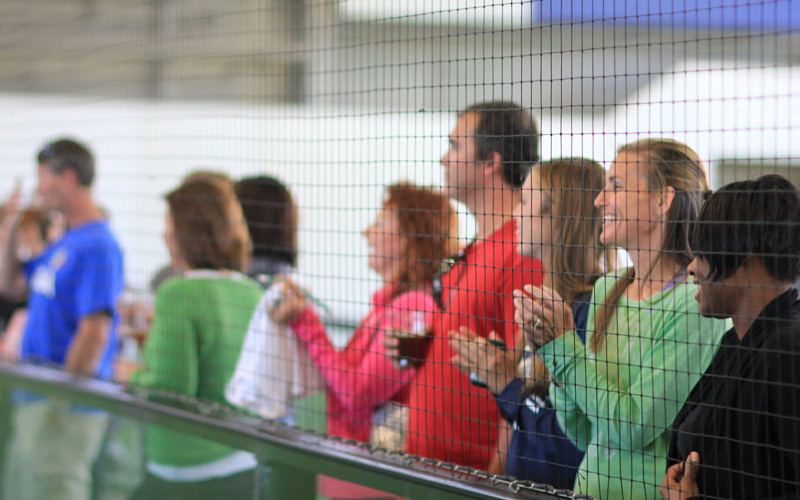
[
  {"x": 336, "y": 165},
  {"x": 336, "y": 160}
]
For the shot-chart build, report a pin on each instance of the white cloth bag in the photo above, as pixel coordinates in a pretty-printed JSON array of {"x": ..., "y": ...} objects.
[{"x": 273, "y": 368}]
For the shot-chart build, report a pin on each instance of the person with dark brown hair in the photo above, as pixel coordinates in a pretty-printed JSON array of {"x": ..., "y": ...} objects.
[
  {"x": 168, "y": 271},
  {"x": 646, "y": 343},
  {"x": 412, "y": 232},
  {"x": 492, "y": 147},
  {"x": 271, "y": 217},
  {"x": 205, "y": 229},
  {"x": 201, "y": 317}
]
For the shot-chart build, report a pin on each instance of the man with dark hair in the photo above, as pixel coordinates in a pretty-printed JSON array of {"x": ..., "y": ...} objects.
[
  {"x": 492, "y": 149},
  {"x": 509, "y": 130},
  {"x": 65, "y": 154},
  {"x": 738, "y": 435},
  {"x": 74, "y": 285}
]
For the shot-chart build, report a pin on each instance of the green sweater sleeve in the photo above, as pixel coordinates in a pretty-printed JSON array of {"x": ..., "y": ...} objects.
[
  {"x": 570, "y": 416},
  {"x": 171, "y": 353},
  {"x": 635, "y": 416}
]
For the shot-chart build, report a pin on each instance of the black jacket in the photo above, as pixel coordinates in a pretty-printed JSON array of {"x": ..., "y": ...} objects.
[{"x": 743, "y": 416}]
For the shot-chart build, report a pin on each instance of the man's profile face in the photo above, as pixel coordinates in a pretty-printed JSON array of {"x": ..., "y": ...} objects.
[
  {"x": 51, "y": 187},
  {"x": 462, "y": 172}
]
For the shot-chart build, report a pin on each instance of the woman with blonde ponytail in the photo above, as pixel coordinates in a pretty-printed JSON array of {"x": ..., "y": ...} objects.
[{"x": 618, "y": 395}]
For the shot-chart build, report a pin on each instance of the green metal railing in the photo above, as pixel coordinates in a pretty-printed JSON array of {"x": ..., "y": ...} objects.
[{"x": 273, "y": 443}]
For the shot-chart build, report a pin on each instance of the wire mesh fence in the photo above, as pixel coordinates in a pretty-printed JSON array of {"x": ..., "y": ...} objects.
[{"x": 550, "y": 245}]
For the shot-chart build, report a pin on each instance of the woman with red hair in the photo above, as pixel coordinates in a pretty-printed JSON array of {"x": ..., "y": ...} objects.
[{"x": 413, "y": 231}]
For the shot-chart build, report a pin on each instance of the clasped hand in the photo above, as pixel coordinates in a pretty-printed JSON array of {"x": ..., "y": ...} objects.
[
  {"x": 542, "y": 314},
  {"x": 494, "y": 364},
  {"x": 291, "y": 301}
]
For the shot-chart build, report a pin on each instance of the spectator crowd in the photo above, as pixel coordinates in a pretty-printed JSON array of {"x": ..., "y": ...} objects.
[{"x": 531, "y": 351}]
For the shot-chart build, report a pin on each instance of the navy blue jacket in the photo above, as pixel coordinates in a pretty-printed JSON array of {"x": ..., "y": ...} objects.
[{"x": 539, "y": 451}]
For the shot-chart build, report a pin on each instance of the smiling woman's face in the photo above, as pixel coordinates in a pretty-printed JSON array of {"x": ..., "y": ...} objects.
[{"x": 629, "y": 210}]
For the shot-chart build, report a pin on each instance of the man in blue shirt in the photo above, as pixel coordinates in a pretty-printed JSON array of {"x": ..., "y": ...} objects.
[{"x": 73, "y": 287}]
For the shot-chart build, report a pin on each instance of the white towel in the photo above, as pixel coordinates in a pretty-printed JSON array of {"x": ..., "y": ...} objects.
[{"x": 273, "y": 367}]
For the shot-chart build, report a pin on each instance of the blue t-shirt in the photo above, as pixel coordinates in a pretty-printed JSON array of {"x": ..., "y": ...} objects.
[{"x": 79, "y": 275}]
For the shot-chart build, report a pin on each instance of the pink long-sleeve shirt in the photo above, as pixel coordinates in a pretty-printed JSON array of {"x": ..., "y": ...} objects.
[{"x": 360, "y": 377}]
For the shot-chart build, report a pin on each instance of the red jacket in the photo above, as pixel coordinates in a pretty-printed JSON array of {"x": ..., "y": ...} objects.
[{"x": 450, "y": 419}]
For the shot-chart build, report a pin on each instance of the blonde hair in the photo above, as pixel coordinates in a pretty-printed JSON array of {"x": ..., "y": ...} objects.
[{"x": 669, "y": 164}]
